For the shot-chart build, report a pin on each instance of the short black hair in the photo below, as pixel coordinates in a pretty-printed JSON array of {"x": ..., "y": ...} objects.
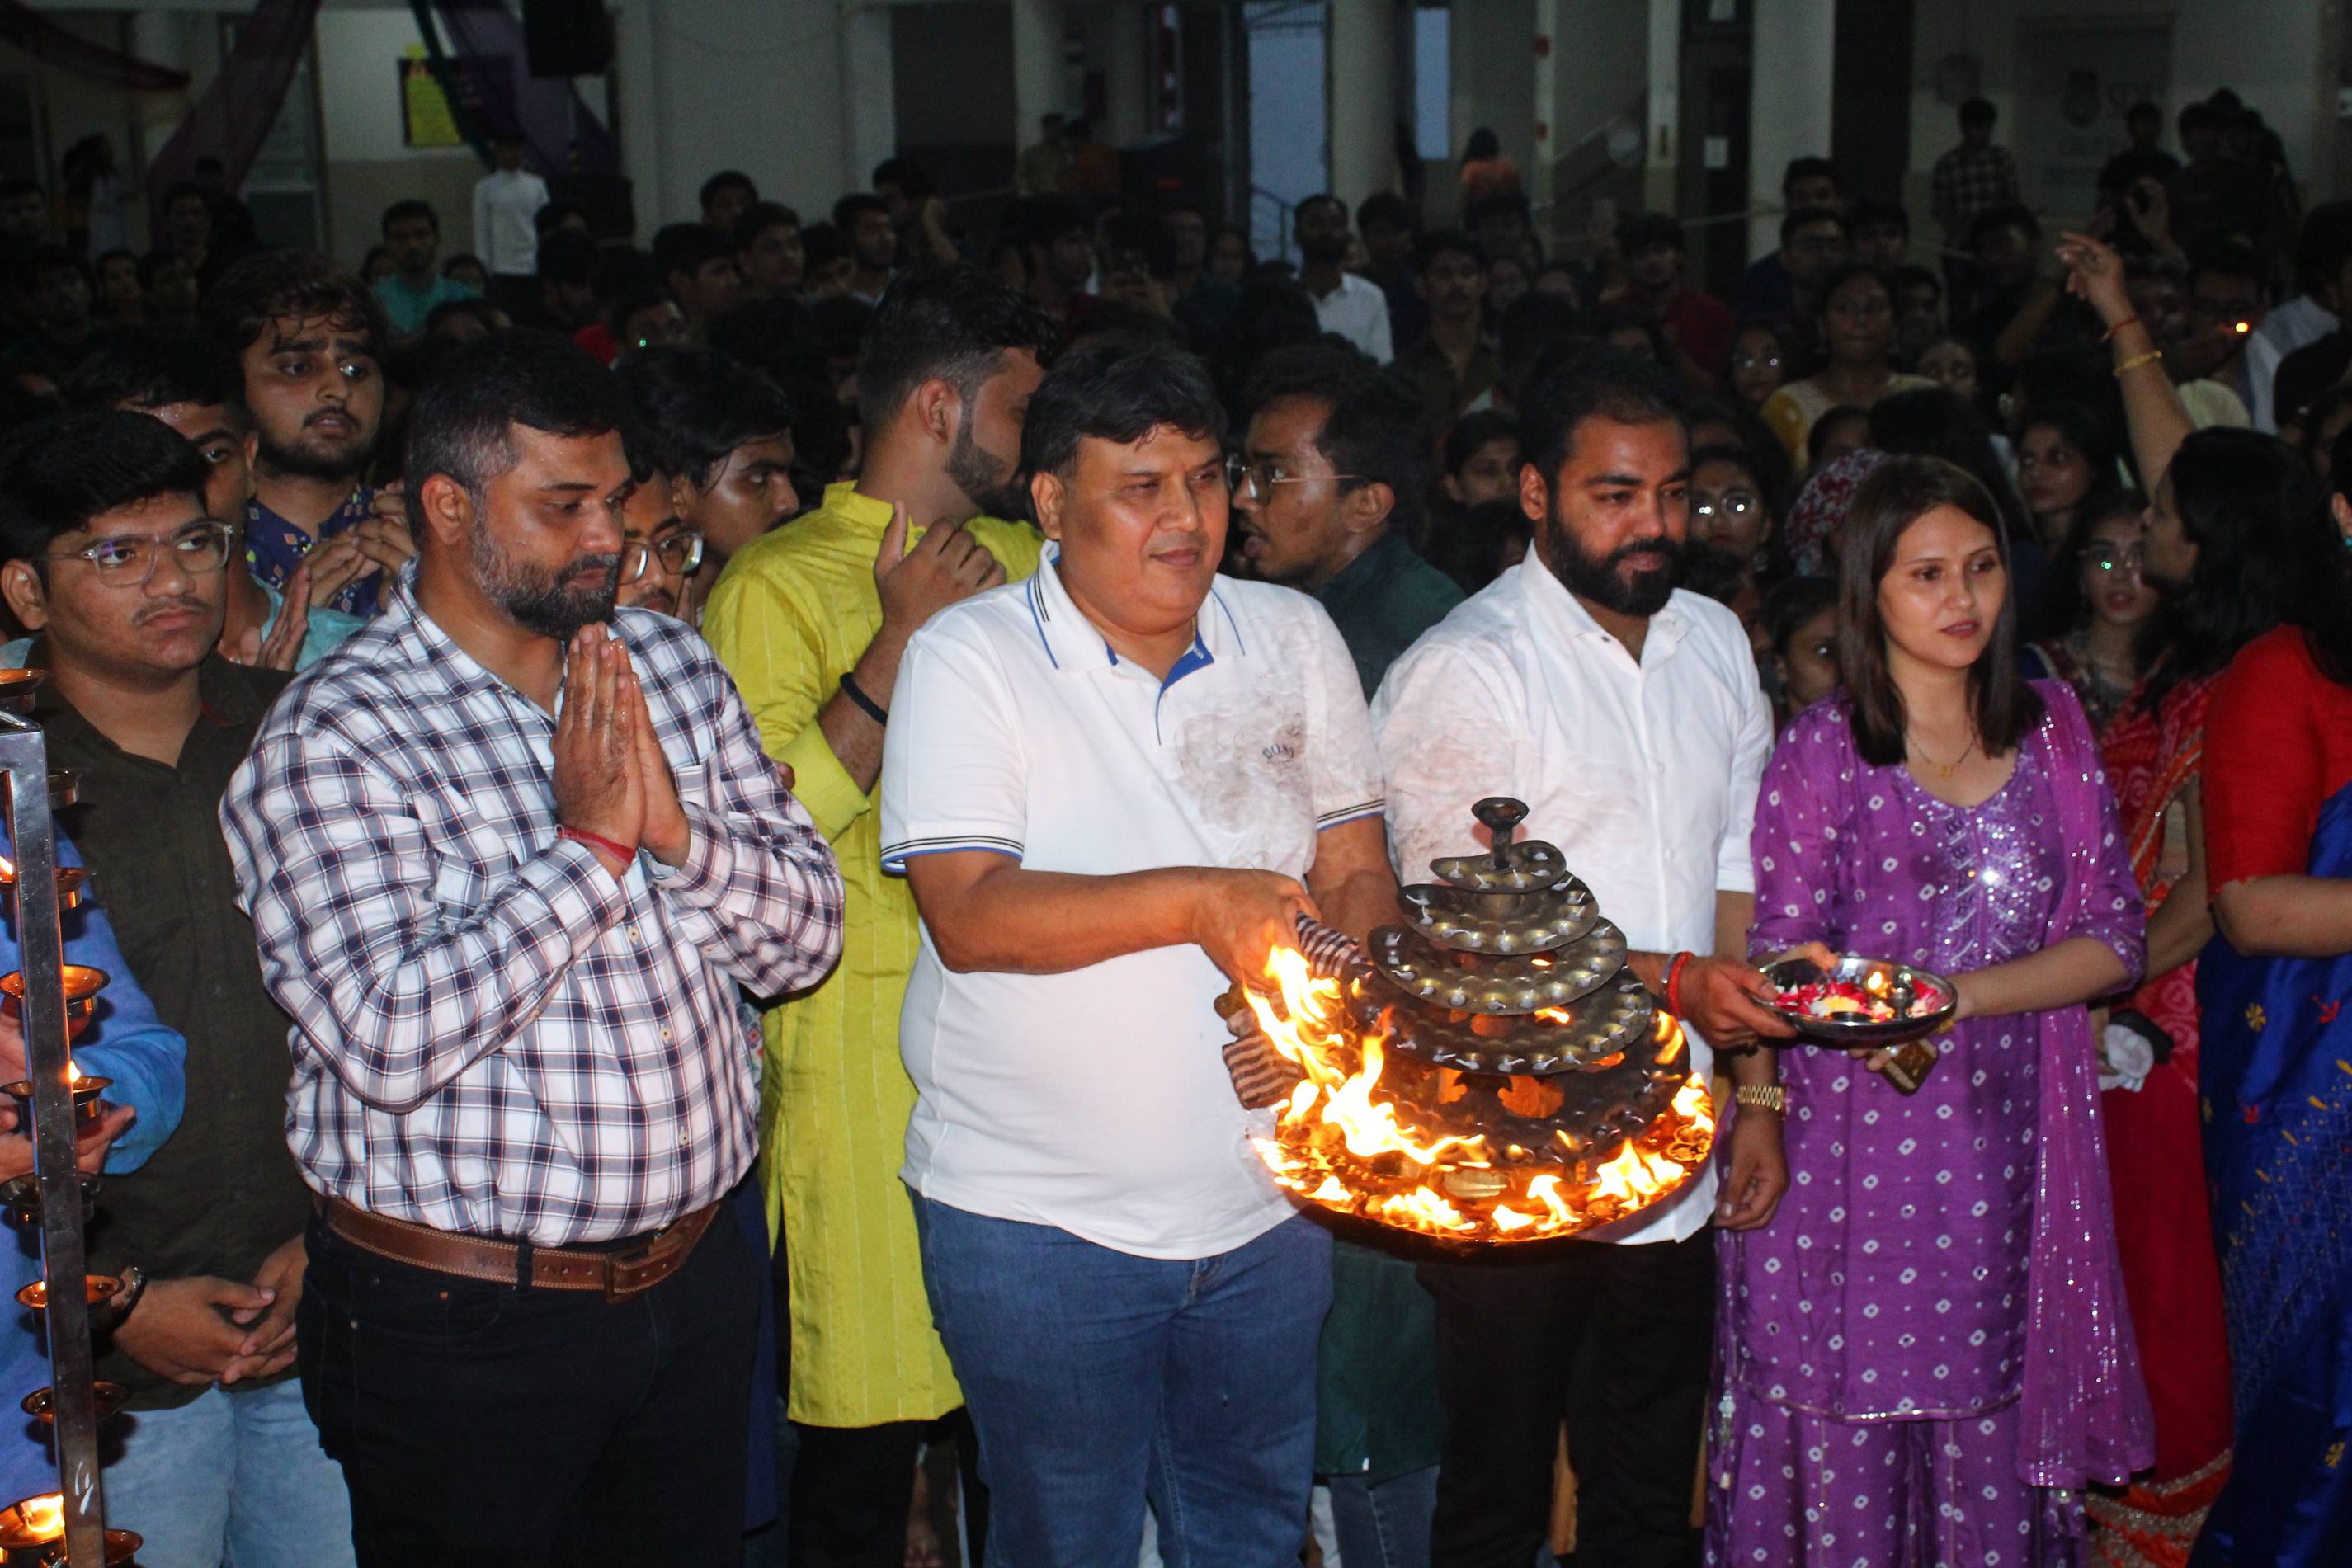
[
  {"x": 59, "y": 473},
  {"x": 1042, "y": 220},
  {"x": 727, "y": 179},
  {"x": 1805, "y": 217},
  {"x": 1811, "y": 168},
  {"x": 1978, "y": 111},
  {"x": 407, "y": 208},
  {"x": 1320, "y": 199},
  {"x": 1384, "y": 207},
  {"x": 759, "y": 218},
  {"x": 2196, "y": 116},
  {"x": 2142, "y": 112},
  {"x": 1790, "y": 603},
  {"x": 1911, "y": 274},
  {"x": 2226, "y": 255},
  {"x": 1513, "y": 203},
  {"x": 1118, "y": 390},
  {"x": 914, "y": 180},
  {"x": 2007, "y": 216},
  {"x": 1593, "y": 381},
  {"x": 1869, "y": 210},
  {"x": 1372, "y": 431},
  {"x": 822, "y": 244},
  {"x": 686, "y": 247},
  {"x": 1473, "y": 430},
  {"x": 301, "y": 285},
  {"x": 567, "y": 255},
  {"x": 155, "y": 367},
  {"x": 1639, "y": 231},
  {"x": 460, "y": 423},
  {"x": 554, "y": 214},
  {"x": 1441, "y": 241},
  {"x": 698, "y": 406},
  {"x": 851, "y": 207},
  {"x": 947, "y": 323},
  {"x": 1133, "y": 239}
]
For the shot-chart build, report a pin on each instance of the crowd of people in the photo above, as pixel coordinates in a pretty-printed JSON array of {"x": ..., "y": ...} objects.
[{"x": 606, "y": 772}]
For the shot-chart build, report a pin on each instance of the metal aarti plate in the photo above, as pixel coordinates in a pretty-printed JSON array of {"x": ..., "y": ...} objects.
[
  {"x": 1590, "y": 1031},
  {"x": 1502, "y": 923},
  {"x": 1505, "y": 984}
]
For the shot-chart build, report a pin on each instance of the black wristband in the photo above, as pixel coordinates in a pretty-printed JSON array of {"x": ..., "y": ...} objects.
[{"x": 867, "y": 705}]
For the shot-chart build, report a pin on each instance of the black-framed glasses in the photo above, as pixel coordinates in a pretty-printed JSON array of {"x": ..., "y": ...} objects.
[
  {"x": 128, "y": 561},
  {"x": 680, "y": 554},
  {"x": 1257, "y": 477}
]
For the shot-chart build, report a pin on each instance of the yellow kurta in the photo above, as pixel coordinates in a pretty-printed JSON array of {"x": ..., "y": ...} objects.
[{"x": 790, "y": 616}]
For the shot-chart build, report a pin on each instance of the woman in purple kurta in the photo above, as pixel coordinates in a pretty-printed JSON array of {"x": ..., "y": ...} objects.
[{"x": 1921, "y": 1354}]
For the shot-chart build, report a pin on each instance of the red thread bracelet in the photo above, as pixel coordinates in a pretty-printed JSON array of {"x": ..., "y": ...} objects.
[
  {"x": 597, "y": 841},
  {"x": 2109, "y": 336},
  {"x": 1674, "y": 982}
]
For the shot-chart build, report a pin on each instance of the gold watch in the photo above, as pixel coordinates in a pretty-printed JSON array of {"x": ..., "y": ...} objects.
[{"x": 1771, "y": 1097}]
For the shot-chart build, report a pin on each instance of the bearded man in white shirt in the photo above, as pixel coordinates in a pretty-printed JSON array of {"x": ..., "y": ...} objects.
[{"x": 1628, "y": 715}]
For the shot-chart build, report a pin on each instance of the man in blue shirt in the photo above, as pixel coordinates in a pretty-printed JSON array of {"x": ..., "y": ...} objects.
[{"x": 412, "y": 233}]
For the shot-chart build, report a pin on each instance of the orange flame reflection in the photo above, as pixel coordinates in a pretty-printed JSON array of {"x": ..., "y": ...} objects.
[
  {"x": 1339, "y": 1142},
  {"x": 44, "y": 1516}
]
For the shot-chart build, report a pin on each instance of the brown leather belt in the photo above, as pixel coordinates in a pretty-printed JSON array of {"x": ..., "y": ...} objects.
[{"x": 620, "y": 1273}]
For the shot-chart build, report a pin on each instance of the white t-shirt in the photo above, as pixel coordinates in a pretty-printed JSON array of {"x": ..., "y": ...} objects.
[
  {"x": 1358, "y": 312},
  {"x": 505, "y": 237},
  {"x": 1097, "y": 1101},
  {"x": 1645, "y": 775}
]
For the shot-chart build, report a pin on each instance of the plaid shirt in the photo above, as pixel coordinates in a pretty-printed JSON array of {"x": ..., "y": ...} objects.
[
  {"x": 1972, "y": 180},
  {"x": 492, "y": 1035}
]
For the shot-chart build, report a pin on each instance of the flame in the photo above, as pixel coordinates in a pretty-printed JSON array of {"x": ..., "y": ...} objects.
[
  {"x": 73, "y": 1073},
  {"x": 1343, "y": 1144},
  {"x": 44, "y": 1516},
  {"x": 8, "y": 869}
]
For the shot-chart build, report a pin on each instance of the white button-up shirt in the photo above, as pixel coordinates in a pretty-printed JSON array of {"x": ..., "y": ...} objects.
[
  {"x": 1358, "y": 312},
  {"x": 1097, "y": 1101},
  {"x": 1644, "y": 775}
]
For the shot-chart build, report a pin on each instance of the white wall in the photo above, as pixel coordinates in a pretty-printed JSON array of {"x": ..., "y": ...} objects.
[
  {"x": 2264, "y": 48},
  {"x": 368, "y": 167}
]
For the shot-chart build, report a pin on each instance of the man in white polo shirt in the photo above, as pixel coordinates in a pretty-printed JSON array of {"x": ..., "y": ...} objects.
[
  {"x": 1351, "y": 306},
  {"x": 1113, "y": 789},
  {"x": 1628, "y": 716}
]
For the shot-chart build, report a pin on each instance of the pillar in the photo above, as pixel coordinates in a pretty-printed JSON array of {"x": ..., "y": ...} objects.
[
  {"x": 636, "y": 53},
  {"x": 1663, "y": 155},
  {"x": 1360, "y": 97},
  {"x": 1795, "y": 51},
  {"x": 1544, "y": 156},
  {"x": 1037, "y": 67},
  {"x": 869, "y": 105}
]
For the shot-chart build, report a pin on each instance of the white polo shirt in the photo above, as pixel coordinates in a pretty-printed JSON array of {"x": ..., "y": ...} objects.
[
  {"x": 1358, "y": 312},
  {"x": 1644, "y": 775},
  {"x": 1097, "y": 1101}
]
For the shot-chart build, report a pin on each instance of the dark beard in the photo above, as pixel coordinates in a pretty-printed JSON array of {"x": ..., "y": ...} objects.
[
  {"x": 538, "y": 601},
  {"x": 985, "y": 481},
  {"x": 1603, "y": 581},
  {"x": 303, "y": 461}
]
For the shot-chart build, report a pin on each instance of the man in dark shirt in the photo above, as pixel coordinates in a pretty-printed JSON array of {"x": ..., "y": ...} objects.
[
  {"x": 1331, "y": 479},
  {"x": 114, "y": 567}
]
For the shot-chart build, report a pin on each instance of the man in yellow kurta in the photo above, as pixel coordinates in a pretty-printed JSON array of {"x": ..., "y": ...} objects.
[{"x": 811, "y": 621}]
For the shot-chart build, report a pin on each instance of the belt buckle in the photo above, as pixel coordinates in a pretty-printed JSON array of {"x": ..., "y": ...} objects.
[{"x": 618, "y": 1263}]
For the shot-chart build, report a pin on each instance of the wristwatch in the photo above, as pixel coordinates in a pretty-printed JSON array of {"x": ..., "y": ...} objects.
[{"x": 1771, "y": 1097}]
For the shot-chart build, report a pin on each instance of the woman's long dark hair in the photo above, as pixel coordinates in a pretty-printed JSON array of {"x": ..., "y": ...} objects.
[
  {"x": 2252, "y": 506},
  {"x": 1896, "y": 496}
]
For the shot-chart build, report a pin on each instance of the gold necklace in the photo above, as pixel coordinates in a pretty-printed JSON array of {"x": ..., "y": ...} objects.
[{"x": 1943, "y": 770}]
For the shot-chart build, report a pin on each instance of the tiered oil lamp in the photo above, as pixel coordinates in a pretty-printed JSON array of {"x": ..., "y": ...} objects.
[
  {"x": 52, "y": 1001},
  {"x": 1494, "y": 1073}
]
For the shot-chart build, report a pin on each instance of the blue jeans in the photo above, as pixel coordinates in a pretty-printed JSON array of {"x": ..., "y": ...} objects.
[
  {"x": 1383, "y": 1524},
  {"x": 1095, "y": 1379},
  {"x": 236, "y": 1478}
]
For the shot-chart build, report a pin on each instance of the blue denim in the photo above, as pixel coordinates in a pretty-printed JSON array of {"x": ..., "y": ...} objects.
[
  {"x": 1096, "y": 1379},
  {"x": 1383, "y": 1524},
  {"x": 230, "y": 1478}
]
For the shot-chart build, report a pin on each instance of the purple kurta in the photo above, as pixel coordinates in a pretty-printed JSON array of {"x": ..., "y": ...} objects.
[{"x": 1875, "y": 1333}]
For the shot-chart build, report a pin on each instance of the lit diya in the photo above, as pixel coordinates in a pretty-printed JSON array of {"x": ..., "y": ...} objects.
[
  {"x": 82, "y": 984},
  {"x": 1868, "y": 1003},
  {"x": 1492, "y": 1072},
  {"x": 33, "y": 1530},
  {"x": 72, "y": 882}
]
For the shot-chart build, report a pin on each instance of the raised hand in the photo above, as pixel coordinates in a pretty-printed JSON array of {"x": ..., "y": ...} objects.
[{"x": 2095, "y": 274}]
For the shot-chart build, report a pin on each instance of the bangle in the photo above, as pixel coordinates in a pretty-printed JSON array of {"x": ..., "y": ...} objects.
[
  {"x": 868, "y": 705},
  {"x": 2109, "y": 336},
  {"x": 597, "y": 841},
  {"x": 1772, "y": 1097},
  {"x": 2139, "y": 360},
  {"x": 1674, "y": 966}
]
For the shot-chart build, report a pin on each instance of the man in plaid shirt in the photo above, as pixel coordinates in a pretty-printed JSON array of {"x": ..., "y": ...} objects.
[
  {"x": 508, "y": 854},
  {"x": 1974, "y": 177}
]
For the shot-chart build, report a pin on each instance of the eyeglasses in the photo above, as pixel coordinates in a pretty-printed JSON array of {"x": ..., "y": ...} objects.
[
  {"x": 128, "y": 561},
  {"x": 1732, "y": 506},
  {"x": 1747, "y": 362},
  {"x": 680, "y": 554},
  {"x": 2115, "y": 558},
  {"x": 1257, "y": 480}
]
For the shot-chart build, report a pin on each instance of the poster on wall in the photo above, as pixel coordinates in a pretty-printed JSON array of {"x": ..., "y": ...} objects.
[
  {"x": 425, "y": 117},
  {"x": 2074, "y": 87}
]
